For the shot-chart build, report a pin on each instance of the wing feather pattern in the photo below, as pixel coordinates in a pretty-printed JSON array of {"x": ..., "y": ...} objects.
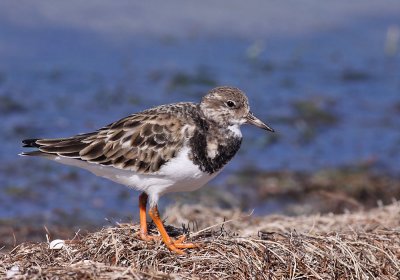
[{"x": 141, "y": 142}]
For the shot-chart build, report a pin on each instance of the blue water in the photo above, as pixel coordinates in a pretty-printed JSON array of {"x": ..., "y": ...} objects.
[{"x": 62, "y": 79}]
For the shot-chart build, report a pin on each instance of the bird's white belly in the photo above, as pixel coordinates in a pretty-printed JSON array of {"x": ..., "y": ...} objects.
[{"x": 179, "y": 174}]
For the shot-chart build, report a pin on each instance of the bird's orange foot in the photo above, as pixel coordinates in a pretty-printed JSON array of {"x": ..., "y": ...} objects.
[
  {"x": 173, "y": 245},
  {"x": 178, "y": 244}
]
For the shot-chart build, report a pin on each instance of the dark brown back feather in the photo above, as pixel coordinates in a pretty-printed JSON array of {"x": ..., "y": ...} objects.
[{"x": 141, "y": 142}]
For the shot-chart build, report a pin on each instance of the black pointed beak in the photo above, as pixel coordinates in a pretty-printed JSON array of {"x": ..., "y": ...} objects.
[{"x": 251, "y": 119}]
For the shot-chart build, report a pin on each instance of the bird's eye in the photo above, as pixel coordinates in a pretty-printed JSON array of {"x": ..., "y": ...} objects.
[{"x": 230, "y": 104}]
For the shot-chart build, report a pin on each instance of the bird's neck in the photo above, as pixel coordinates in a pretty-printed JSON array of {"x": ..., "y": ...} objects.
[{"x": 215, "y": 146}]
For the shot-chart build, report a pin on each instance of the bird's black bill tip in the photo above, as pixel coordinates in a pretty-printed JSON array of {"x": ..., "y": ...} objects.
[
  {"x": 270, "y": 129},
  {"x": 253, "y": 120}
]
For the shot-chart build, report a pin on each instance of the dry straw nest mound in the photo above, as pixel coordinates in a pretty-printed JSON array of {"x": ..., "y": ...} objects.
[{"x": 362, "y": 245}]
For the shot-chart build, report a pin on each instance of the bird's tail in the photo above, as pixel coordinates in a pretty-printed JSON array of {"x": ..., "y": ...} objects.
[
  {"x": 67, "y": 147},
  {"x": 31, "y": 143}
]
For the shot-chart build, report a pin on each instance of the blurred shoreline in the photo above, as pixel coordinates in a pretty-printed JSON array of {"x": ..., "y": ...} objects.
[{"x": 323, "y": 75}]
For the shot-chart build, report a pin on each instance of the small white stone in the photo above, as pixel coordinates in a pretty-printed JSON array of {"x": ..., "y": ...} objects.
[
  {"x": 56, "y": 244},
  {"x": 13, "y": 271}
]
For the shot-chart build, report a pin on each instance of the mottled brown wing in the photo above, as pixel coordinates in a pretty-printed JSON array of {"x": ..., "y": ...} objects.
[{"x": 141, "y": 143}]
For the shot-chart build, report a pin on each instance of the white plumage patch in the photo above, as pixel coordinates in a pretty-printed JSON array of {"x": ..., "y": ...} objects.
[
  {"x": 180, "y": 174},
  {"x": 236, "y": 130}
]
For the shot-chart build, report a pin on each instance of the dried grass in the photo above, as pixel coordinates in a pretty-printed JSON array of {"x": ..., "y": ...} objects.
[{"x": 362, "y": 245}]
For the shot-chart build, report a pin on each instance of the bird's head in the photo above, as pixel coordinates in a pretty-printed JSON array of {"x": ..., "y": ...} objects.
[{"x": 229, "y": 106}]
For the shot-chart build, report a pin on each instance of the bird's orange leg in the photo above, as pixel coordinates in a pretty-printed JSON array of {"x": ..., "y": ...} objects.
[
  {"x": 143, "y": 234},
  {"x": 173, "y": 245}
]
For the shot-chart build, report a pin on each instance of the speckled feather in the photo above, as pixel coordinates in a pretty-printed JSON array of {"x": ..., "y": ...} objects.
[{"x": 142, "y": 142}]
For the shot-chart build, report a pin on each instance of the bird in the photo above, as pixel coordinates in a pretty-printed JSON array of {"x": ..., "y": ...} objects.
[{"x": 177, "y": 147}]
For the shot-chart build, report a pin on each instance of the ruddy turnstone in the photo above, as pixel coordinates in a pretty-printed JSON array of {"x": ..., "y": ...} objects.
[{"x": 169, "y": 148}]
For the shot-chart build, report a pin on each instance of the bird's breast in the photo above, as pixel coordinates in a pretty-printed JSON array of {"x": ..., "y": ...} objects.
[
  {"x": 182, "y": 174},
  {"x": 212, "y": 151}
]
